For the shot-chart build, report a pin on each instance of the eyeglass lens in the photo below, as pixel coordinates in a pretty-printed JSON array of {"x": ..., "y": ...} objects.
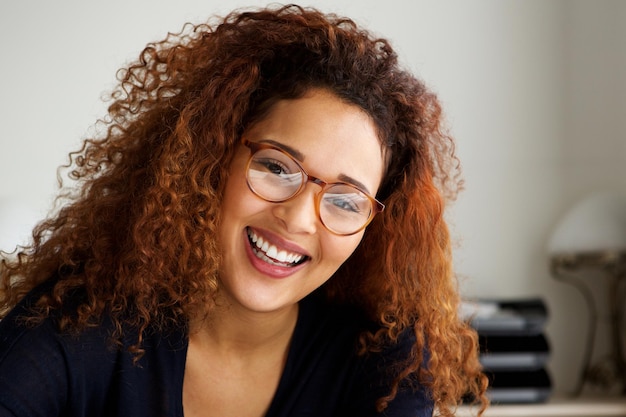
[{"x": 274, "y": 176}]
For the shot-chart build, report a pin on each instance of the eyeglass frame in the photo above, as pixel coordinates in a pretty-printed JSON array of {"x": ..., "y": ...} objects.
[{"x": 254, "y": 147}]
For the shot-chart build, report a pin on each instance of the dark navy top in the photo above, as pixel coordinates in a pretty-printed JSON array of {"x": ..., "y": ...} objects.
[{"x": 47, "y": 373}]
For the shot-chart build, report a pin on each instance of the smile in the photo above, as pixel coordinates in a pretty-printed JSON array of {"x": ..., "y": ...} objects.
[{"x": 271, "y": 254}]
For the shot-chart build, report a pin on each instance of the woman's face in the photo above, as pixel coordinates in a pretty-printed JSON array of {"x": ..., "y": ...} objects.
[{"x": 333, "y": 141}]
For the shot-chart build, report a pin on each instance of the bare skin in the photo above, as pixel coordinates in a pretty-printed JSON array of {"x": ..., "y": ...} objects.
[{"x": 241, "y": 358}]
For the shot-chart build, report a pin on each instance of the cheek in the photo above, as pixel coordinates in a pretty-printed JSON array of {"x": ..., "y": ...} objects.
[
  {"x": 236, "y": 184},
  {"x": 234, "y": 191},
  {"x": 237, "y": 196},
  {"x": 339, "y": 248},
  {"x": 239, "y": 204}
]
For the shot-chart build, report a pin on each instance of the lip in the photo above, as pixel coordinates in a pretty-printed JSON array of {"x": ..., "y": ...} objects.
[{"x": 273, "y": 271}]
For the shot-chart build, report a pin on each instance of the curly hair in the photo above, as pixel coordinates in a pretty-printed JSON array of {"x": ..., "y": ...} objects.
[{"x": 137, "y": 230}]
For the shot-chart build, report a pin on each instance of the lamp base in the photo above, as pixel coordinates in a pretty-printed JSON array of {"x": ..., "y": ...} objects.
[{"x": 568, "y": 268}]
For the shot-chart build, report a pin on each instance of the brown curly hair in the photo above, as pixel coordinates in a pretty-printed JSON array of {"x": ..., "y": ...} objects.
[{"x": 137, "y": 231}]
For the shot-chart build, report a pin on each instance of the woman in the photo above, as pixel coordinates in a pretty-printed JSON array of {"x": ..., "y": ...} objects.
[{"x": 259, "y": 231}]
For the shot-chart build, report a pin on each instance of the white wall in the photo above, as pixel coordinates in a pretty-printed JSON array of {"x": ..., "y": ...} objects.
[
  {"x": 592, "y": 154},
  {"x": 514, "y": 77},
  {"x": 596, "y": 98}
]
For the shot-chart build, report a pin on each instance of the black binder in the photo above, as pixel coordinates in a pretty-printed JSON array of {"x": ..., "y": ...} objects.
[{"x": 513, "y": 349}]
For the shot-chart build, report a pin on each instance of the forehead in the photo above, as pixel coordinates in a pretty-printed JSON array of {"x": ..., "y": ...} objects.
[{"x": 331, "y": 138}]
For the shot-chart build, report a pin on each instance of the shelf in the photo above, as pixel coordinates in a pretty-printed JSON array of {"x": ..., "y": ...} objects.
[{"x": 558, "y": 407}]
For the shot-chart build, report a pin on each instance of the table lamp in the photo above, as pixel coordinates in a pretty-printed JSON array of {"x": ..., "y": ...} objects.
[{"x": 591, "y": 237}]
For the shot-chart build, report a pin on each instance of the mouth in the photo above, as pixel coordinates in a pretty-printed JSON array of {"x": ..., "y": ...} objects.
[{"x": 273, "y": 255}]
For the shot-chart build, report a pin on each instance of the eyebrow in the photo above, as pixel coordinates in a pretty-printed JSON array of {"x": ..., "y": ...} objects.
[
  {"x": 357, "y": 184},
  {"x": 291, "y": 151},
  {"x": 300, "y": 157}
]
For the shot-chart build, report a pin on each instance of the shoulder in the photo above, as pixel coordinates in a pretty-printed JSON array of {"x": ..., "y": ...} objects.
[
  {"x": 44, "y": 371},
  {"x": 23, "y": 333},
  {"x": 40, "y": 366},
  {"x": 22, "y": 328},
  {"x": 324, "y": 363}
]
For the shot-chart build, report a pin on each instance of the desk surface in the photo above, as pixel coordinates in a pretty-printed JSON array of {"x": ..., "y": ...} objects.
[{"x": 558, "y": 407}]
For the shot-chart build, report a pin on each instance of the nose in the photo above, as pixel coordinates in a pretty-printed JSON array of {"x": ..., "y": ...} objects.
[{"x": 299, "y": 215}]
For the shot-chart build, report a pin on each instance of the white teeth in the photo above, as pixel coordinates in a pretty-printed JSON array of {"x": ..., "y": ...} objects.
[
  {"x": 269, "y": 252},
  {"x": 272, "y": 252}
]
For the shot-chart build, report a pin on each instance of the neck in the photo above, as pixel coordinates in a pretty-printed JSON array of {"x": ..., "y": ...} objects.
[{"x": 229, "y": 330}]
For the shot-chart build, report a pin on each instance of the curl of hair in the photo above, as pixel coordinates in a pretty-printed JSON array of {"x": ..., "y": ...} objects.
[{"x": 137, "y": 232}]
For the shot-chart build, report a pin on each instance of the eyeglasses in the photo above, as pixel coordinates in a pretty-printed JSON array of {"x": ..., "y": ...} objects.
[{"x": 275, "y": 176}]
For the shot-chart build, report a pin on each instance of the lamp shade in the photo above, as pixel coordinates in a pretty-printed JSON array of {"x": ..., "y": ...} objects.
[{"x": 595, "y": 224}]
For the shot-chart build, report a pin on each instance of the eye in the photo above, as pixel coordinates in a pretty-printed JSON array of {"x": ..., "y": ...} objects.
[
  {"x": 346, "y": 202},
  {"x": 273, "y": 166},
  {"x": 275, "y": 170}
]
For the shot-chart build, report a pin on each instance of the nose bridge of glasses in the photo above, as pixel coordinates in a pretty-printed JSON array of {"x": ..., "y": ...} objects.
[{"x": 315, "y": 180}]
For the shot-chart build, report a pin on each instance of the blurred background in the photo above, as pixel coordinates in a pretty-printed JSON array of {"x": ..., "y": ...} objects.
[{"x": 534, "y": 92}]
